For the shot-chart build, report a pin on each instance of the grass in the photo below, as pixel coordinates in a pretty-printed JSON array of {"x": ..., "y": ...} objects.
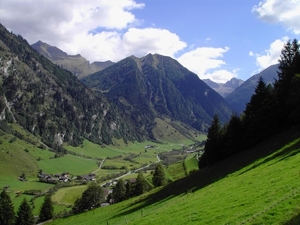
[
  {"x": 190, "y": 164},
  {"x": 254, "y": 187},
  {"x": 73, "y": 164},
  {"x": 68, "y": 195}
]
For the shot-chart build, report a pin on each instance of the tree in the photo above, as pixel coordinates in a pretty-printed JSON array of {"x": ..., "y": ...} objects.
[
  {"x": 129, "y": 190},
  {"x": 24, "y": 214},
  {"x": 159, "y": 176},
  {"x": 7, "y": 214},
  {"x": 258, "y": 121},
  {"x": 119, "y": 191},
  {"x": 92, "y": 197},
  {"x": 288, "y": 68},
  {"x": 212, "y": 144},
  {"x": 233, "y": 136},
  {"x": 142, "y": 186},
  {"x": 46, "y": 211}
]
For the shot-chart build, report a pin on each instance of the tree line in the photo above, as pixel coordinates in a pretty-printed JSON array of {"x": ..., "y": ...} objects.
[
  {"x": 24, "y": 215},
  {"x": 271, "y": 109}
]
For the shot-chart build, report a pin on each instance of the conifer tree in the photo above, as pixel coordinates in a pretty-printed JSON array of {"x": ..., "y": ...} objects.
[
  {"x": 119, "y": 191},
  {"x": 142, "y": 186},
  {"x": 233, "y": 136},
  {"x": 288, "y": 68},
  {"x": 7, "y": 214},
  {"x": 258, "y": 120},
  {"x": 129, "y": 189},
  {"x": 24, "y": 214},
  {"x": 46, "y": 211},
  {"x": 212, "y": 144},
  {"x": 159, "y": 177}
]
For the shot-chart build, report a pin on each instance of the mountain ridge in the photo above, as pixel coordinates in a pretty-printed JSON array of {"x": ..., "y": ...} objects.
[
  {"x": 164, "y": 86},
  {"x": 77, "y": 64},
  {"x": 242, "y": 94},
  {"x": 224, "y": 89}
]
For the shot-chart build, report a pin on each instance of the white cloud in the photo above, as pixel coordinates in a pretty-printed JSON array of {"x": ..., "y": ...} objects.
[
  {"x": 102, "y": 30},
  {"x": 278, "y": 11},
  {"x": 97, "y": 29},
  {"x": 221, "y": 76},
  {"x": 270, "y": 56},
  {"x": 206, "y": 59}
]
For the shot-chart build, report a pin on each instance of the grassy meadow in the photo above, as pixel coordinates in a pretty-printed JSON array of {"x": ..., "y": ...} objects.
[
  {"x": 258, "y": 186},
  {"x": 25, "y": 155}
]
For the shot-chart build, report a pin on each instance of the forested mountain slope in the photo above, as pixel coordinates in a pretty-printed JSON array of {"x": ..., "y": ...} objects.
[{"x": 157, "y": 86}]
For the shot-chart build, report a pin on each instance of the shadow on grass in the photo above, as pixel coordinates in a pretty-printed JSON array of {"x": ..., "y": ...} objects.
[
  {"x": 294, "y": 221},
  {"x": 211, "y": 174}
]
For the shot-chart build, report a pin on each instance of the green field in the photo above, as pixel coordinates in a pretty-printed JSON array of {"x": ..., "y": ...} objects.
[
  {"x": 262, "y": 191},
  {"x": 73, "y": 164}
]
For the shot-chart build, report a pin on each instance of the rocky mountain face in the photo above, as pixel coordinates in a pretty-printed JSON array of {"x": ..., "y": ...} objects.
[
  {"x": 50, "y": 102},
  {"x": 242, "y": 94},
  {"x": 224, "y": 89},
  {"x": 158, "y": 86},
  {"x": 76, "y": 64}
]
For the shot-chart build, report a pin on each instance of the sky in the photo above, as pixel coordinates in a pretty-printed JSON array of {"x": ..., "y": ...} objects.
[{"x": 215, "y": 39}]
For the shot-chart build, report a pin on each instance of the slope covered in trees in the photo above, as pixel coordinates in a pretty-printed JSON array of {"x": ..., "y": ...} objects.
[
  {"x": 157, "y": 86},
  {"x": 270, "y": 110}
]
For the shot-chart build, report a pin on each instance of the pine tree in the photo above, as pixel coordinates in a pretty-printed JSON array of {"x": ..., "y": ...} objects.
[
  {"x": 46, "y": 211},
  {"x": 233, "y": 136},
  {"x": 212, "y": 144},
  {"x": 258, "y": 121},
  {"x": 119, "y": 191},
  {"x": 7, "y": 214},
  {"x": 159, "y": 177},
  {"x": 288, "y": 68},
  {"x": 24, "y": 214},
  {"x": 129, "y": 189},
  {"x": 142, "y": 186}
]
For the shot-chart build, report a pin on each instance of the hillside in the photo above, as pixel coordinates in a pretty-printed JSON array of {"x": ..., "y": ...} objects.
[
  {"x": 76, "y": 64},
  {"x": 242, "y": 94},
  {"x": 52, "y": 103},
  {"x": 257, "y": 186},
  {"x": 157, "y": 86}
]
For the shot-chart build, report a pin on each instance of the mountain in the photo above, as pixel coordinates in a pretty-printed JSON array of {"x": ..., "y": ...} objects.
[
  {"x": 224, "y": 89},
  {"x": 50, "y": 102},
  {"x": 157, "y": 86},
  {"x": 242, "y": 94},
  {"x": 77, "y": 64}
]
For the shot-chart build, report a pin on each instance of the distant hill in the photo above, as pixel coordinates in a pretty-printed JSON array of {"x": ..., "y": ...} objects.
[
  {"x": 158, "y": 86},
  {"x": 242, "y": 94},
  {"x": 224, "y": 89},
  {"x": 77, "y": 64}
]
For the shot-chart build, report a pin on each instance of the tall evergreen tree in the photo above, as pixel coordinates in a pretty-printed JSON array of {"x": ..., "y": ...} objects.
[
  {"x": 24, "y": 214},
  {"x": 46, "y": 211},
  {"x": 119, "y": 191},
  {"x": 288, "y": 68},
  {"x": 258, "y": 121},
  {"x": 90, "y": 198},
  {"x": 233, "y": 137},
  {"x": 129, "y": 190},
  {"x": 7, "y": 213},
  {"x": 142, "y": 186},
  {"x": 212, "y": 144},
  {"x": 159, "y": 176}
]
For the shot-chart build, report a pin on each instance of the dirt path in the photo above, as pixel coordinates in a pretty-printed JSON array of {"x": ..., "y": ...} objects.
[{"x": 100, "y": 165}]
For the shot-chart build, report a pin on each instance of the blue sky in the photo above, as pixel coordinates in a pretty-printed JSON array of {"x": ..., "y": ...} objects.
[{"x": 215, "y": 39}]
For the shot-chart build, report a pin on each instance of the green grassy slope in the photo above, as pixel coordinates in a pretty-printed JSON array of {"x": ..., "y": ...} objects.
[{"x": 260, "y": 186}]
